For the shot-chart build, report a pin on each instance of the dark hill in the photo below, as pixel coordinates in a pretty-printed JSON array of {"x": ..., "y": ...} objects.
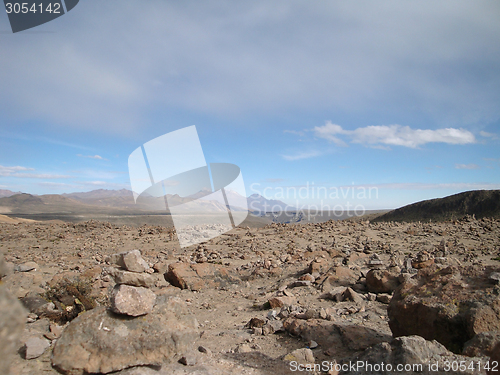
[{"x": 481, "y": 203}]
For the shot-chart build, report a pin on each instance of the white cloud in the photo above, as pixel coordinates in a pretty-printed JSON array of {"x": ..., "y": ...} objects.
[
  {"x": 393, "y": 135},
  {"x": 46, "y": 176},
  {"x": 301, "y": 155},
  {"x": 98, "y": 157},
  {"x": 467, "y": 166},
  {"x": 8, "y": 171}
]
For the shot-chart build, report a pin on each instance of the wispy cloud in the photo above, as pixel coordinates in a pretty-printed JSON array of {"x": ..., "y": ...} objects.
[
  {"x": 467, "y": 166},
  {"x": 295, "y": 132},
  {"x": 488, "y": 135},
  {"x": 301, "y": 155},
  {"x": 459, "y": 186},
  {"x": 18, "y": 171},
  {"x": 98, "y": 157},
  {"x": 46, "y": 176},
  {"x": 8, "y": 171},
  {"x": 393, "y": 135}
]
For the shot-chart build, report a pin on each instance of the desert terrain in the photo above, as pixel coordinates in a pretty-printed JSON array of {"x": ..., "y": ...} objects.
[{"x": 273, "y": 299}]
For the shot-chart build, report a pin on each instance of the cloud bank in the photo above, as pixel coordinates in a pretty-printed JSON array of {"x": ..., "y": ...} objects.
[{"x": 393, "y": 135}]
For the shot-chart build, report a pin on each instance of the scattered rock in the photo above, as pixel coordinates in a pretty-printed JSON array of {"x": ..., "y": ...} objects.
[
  {"x": 199, "y": 276},
  {"x": 482, "y": 344}
]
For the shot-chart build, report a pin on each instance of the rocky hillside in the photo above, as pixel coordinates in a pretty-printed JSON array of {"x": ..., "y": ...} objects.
[
  {"x": 254, "y": 301},
  {"x": 480, "y": 203}
]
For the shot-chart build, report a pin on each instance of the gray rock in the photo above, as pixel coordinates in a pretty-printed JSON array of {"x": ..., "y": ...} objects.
[
  {"x": 132, "y": 278},
  {"x": 26, "y": 267},
  {"x": 35, "y": 347},
  {"x": 134, "y": 262},
  {"x": 99, "y": 341},
  {"x": 132, "y": 300},
  {"x": 129, "y": 260},
  {"x": 418, "y": 355},
  {"x": 303, "y": 356}
]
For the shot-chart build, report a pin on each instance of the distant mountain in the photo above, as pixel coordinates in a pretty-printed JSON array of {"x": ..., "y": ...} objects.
[
  {"x": 260, "y": 205},
  {"x": 7, "y": 193},
  {"x": 481, "y": 203}
]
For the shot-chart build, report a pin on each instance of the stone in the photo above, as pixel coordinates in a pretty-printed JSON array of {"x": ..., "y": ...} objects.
[
  {"x": 132, "y": 278},
  {"x": 132, "y": 300},
  {"x": 199, "y": 276},
  {"x": 26, "y": 267},
  {"x": 384, "y": 298},
  {"x": 277, "y": 302},
  {"x": 450, "y": 305},
  {"x": 130, "y": 261},
  {"x": 381, "y": 281},
  {"x": 243, "y": 348},
  {"x": 12, "y": 321},
  {"x": 336, "y": 335},
  {"x": 418, "y": 355},
  {"x": 36, "y": 304},
  {"x": 35, "y": 347},
  {"x": 339, "y": 276},
  {"x": 302, "y": 356},
  {"x": 336, "y": 294},
  {"x": 482, "y": 344},
  {"x": 350, "y": 294},
  {"x": 99, "y": 341},
  {"x": 189, "y": 359}
]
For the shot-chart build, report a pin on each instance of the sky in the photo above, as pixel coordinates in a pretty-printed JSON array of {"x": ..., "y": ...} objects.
[{"x": 329, "y": 103}]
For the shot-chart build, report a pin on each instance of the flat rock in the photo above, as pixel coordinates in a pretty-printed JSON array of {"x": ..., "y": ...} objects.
[
  {"x": 132, "y": 278},
  {"x": 35, "y": 347},
  {"x": 199, "y": 276},
  {"x": 26, "y": 267},
  {"x": 99, "y": 341},
  {"x": 132, "y": 300}
]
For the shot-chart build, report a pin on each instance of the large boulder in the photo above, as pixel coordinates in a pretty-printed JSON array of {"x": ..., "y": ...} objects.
[
  {"x": 199, "y": 276},
  {"x": 414, "y": 355},
  {"x": 450, "y": 305},
  {"x": 100, "y": 341}
]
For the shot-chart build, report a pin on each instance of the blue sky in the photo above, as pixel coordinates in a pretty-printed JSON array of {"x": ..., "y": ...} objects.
[{"x": 400, "y": 97}]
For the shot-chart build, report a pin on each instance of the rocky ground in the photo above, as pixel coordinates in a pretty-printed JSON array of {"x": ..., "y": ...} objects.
[{"x": 272, "y": 300}]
